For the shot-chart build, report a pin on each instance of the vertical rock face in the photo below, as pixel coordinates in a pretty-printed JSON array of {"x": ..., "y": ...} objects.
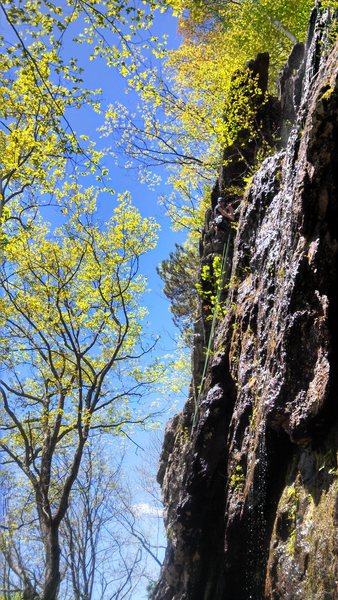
[{"x": 249, "y": 468}]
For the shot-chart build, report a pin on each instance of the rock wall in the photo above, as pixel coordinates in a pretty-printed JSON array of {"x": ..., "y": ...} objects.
[{"x": 249, "y": 475}]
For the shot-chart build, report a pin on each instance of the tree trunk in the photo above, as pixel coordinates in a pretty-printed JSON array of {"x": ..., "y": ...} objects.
[{"x": 52, "y": 569}]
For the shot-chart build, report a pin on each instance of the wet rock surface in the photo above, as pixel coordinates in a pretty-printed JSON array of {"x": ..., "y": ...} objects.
[{"x": 249, "y": 468}]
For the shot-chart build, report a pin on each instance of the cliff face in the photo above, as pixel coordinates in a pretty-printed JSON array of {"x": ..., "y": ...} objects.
[{"x": 249, "y": 476}]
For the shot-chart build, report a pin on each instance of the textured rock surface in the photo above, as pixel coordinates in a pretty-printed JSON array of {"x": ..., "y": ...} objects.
[{"x": 249, "y": 476}]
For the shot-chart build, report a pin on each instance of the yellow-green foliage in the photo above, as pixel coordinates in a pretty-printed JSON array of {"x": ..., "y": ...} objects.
[
  {"x": 211, "y": 286},
  {"x": 247, "y": 26},
  {"x": 292, "y": 503},
  {"x": 332, "y": 4},
  {"x": 321, "y": 537},
  {"x": 237, "y": 479},
  {"x": 70, "y": 309},
  {"x": 184, "y": 435},
  {"x": 41, "y": 88}
]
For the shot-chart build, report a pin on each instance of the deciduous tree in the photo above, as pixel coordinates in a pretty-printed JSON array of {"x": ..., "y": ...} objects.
[{"x": 71, "y": 344}]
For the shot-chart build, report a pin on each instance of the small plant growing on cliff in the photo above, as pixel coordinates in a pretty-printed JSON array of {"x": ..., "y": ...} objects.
[
  {"x": 234, "y": 282},
  {"x": 237, "y": 479},
  {"x": 328, "y": 463},
  {"x": 327, "y": 94},
  {"x": 253, "y": 418},
  {"x": 210, "y": 288},
  {"x": 292, "y": 503},
  {"x": 184, "y": 435},
  {"x": 291, "y": 545}
]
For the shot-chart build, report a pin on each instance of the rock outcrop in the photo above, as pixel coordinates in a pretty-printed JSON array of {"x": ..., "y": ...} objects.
[{"x": 249, "y": 474}]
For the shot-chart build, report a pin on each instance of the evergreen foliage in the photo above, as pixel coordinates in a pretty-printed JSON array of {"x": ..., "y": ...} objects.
[{"x": 179, "y": 273}]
